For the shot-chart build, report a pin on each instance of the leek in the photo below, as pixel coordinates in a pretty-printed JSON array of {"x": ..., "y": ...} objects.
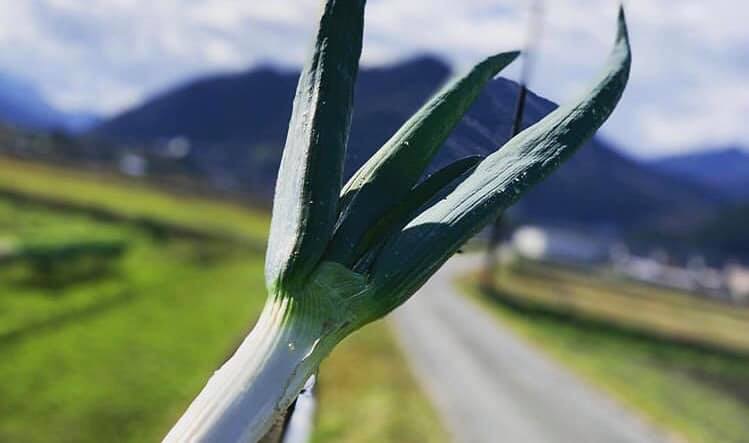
[{"x": 340, "y": 257}]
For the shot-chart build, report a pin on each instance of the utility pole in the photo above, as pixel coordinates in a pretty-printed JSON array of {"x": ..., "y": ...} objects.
[{"x": 500, "y": 227}]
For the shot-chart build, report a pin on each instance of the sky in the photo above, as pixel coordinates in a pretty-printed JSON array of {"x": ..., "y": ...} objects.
[{"x": 689, "y": 87}]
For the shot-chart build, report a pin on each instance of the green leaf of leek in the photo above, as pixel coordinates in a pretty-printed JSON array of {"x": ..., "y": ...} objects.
[
  {"x": 309, "y": 181},
  {"x": 414, "y": 200},
  {"x": 397, "y": 166},
  {"x": 421, "y": 247}
]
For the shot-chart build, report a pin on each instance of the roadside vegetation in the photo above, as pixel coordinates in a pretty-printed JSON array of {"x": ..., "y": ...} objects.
[
  {"x": 368, "y": 395},
  {"x": 118, "y": 199},
  {"x": 683, "y": 362},
  {"x": 109, "y": 326}
]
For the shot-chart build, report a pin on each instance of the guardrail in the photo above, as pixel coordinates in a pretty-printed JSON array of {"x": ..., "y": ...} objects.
[{"x": 298, "y": 423}]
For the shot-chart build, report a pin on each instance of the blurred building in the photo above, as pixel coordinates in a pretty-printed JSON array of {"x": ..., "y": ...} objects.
[
  {"x": 657, "y": 269},
  {"x": 693, "y": 275},
  {"x": 737, "y": 281},
  {"x": 560, "y": 245},
  {"x": 133, "y": 165}
]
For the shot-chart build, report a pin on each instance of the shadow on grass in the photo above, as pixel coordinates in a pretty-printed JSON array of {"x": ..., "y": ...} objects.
[
  {"x": 682, "y": 355},
  {"x": 157, "y": 230},
  {"x": 41, "y": 327},
  {"x": 57, "y": 266},
  {"x": 58, "y": 282}
]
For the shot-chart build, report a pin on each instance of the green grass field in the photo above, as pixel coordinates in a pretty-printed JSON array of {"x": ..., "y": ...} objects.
[
  {"x": 131, "y": 200},
  {"x": 680, "y": 361},
  {"x": 114, "y": 353}
]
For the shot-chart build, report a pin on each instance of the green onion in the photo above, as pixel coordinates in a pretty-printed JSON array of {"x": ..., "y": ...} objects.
[{"x": 341, "y": 257}]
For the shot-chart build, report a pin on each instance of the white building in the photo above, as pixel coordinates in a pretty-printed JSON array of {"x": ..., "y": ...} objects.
[
  {"x": 737, "y": 281},
  {"x": 559, "y": 245}
]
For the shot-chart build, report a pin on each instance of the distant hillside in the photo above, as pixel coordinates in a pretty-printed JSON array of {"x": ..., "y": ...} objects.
[
  {"x": 726, "y": 170},
  {"x": 727, "y": 232},
  {"x": 247, "y": 107},
  {"x": 237, "y": 125},
  {"x": 722, "y": 237},
  {"x": 21, "y": 105}
]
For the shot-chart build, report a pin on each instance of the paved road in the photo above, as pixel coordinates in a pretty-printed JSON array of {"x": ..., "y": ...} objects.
[{"x": 491, "y": 387}]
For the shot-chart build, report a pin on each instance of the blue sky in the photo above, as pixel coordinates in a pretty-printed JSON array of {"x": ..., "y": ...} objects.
[{"x": 689, "y": 87}]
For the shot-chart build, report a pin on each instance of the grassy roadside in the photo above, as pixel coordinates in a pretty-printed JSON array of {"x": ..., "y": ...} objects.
[
  {"x": 130, "y": 199},
  {"x": 368, "y": 395},
  {"x": 661, "y": 312},
  {"x": 702, "y": 394},
  {"x": 117, "y": 354}
]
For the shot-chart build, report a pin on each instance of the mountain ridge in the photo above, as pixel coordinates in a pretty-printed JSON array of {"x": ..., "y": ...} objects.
[
  {"x": 725, "y": 169},
  {"x": 237, "y": 124},
  {"x": 23, "y": 106}
]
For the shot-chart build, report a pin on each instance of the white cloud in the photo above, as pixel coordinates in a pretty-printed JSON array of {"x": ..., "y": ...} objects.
[
  {"x": 687, "y": 125},
  {"x": 688, "y": 83}
]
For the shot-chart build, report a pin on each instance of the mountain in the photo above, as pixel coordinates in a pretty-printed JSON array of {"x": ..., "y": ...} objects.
[
  {"x": 726, "y": 169},
  {"x": 79, "y": 122},
  {"x": 23, "y": 106},
  {"x": 247, "y": 107},
  {"x": 725, "y": 232},
  {"x": 236, "y": 125}
]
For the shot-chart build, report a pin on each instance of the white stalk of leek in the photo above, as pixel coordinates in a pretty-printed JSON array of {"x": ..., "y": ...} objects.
[
  {"x": 264, "y": 376},
  {"x": 259, "y": 381}
]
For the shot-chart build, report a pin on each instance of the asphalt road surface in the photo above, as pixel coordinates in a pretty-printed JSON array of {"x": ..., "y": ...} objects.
[{"x": 489, "y": 386}]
